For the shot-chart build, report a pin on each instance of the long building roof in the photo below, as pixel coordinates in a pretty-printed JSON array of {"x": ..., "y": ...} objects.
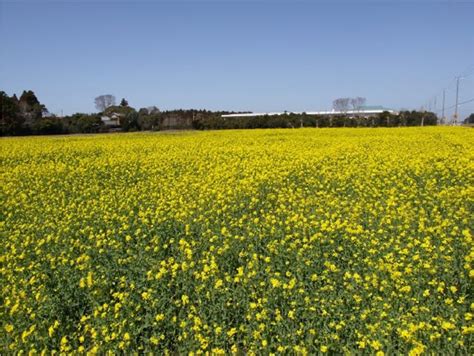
[{"x": 332, "y": 112}]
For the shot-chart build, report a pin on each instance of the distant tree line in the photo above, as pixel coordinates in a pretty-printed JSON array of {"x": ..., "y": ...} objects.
[
  {"x": 27, "y": 116},
  {"x": 469, "y": 120},
  {"x": 23, "y": 116},
  {"x": 291, "y": 120}
]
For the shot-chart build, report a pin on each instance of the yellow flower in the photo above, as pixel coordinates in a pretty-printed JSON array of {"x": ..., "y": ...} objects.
[
  {"x": 89, "y": 279},
  {"x": 184, "y": 299},
  {"x": 14, "y": 309},
  {"x": 446, "y": 325},
  {"x": 417, "y": 350},
  {"x": 275, "y": 282},
  {"x": 159, "y": 317},
  {"x": 340, "y": 232},
  {"x": 405, "y": 289},
  {"x": 376, "y": 345}
]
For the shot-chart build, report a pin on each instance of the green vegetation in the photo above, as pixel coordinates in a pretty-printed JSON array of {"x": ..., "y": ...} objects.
[{"x": 26, "y": 116}]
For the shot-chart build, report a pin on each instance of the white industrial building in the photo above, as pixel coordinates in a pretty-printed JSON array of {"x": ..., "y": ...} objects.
[{"x": 365, "y": 111}]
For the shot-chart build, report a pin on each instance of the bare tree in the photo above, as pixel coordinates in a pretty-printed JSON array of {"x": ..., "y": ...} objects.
[
  {"x": 341, "y": 104},
  {"x": 102, "y": 102},
  {"x": 357, "y": 103}
]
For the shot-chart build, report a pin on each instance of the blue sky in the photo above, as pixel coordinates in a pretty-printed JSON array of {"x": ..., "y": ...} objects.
[{"x": 241, "y": 55}]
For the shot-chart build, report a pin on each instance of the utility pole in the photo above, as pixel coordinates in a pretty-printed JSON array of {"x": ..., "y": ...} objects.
[
  {"x": 444, "y": 98},
  {"x": 457, "y": 101}
]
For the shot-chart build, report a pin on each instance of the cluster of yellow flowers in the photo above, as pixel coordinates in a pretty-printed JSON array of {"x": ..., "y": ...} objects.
[{"x": 265, "y": 241}]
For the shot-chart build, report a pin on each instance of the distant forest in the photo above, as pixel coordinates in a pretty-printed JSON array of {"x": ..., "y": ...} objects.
[{"x": 27, "y": 116}]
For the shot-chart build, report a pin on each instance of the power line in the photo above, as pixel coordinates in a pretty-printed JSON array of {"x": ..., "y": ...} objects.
[
  {"x": 469, "y": 71},
  {"x": 459, "y": 104},
  {"x": 466, "y": 74},
  {"x": 441, "y": 91}
]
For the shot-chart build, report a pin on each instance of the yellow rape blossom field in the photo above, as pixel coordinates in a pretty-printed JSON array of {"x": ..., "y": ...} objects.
[{"x": 250, "y": 242}]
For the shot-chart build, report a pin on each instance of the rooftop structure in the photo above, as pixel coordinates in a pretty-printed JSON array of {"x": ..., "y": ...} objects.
[{"x": 363, "y": 111}]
